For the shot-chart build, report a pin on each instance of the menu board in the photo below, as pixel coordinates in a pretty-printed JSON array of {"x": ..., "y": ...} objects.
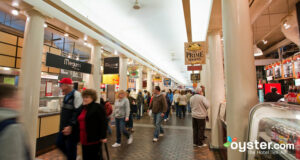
[
  {"x": 278, "y": 71},
  {"x": 288, "y": 68}
]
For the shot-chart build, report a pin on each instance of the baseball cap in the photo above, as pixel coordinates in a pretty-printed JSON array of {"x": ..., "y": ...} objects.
[{"x": 66, "y": 81}]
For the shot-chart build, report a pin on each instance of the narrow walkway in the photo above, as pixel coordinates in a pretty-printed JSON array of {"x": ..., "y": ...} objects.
[{"x": 177, "y": 143}]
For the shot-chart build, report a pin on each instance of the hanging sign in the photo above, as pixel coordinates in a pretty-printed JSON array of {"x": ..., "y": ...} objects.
[
  {"x": 111, "y": 79},
  {"x": 133, "y": 72},
  {"x": 111, "y": 65},
  {"x": 195, "y": 77},
  {"x": 194, "y": 68},
  {"x": 195, "y": 52},
  {"x": 157, "y": 78},
  {"x": 167, "y": 81},
  {"x": 57, "y": 61}
]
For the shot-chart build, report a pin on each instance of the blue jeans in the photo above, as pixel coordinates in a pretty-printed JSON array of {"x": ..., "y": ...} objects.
[
  {"x": 68, "y": 145},
  {"x": 167, "y": 113},
  {"x": 129, "y": 124},
  {"x": 120, "y": 125},
  {"x": 108, "y": 126},
  {"x": 189, "y": 107},
  {"x": 157, "y": 119}
]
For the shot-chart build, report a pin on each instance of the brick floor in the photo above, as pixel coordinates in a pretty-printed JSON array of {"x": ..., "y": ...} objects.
[{"x": 175, "y": 145}]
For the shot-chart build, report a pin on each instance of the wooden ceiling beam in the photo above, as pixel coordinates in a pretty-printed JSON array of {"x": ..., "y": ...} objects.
[{"x": 187, "y": 17}]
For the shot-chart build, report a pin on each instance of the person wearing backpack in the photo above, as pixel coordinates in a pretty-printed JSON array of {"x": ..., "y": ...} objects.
[{"x": 13, "y": 140}]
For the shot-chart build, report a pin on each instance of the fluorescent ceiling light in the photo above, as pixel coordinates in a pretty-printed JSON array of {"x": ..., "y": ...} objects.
[
  {"x": 45, "y": 25},
  {"x": 15, "y": 3},
  {"x": 200, "y": 15},
  {"x": 265, "y": 41},
  {"x": 66, "y": 35}
]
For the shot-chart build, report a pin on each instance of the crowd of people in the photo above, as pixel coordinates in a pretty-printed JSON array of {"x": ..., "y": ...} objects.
[{"x": 85, "y": 120}]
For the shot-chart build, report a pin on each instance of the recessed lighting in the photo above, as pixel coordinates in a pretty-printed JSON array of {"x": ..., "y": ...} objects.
[
  {"x": 116, "y": 52},
  {"x": 45, "y": 25},
  {"x": 286, "y": 26},
  {"x": 85, "y": 38},
  {"x": 69, "y": 56},
  {"x": 15, "y": 4},
  {"x": 265, "y": 41},
  {"x": 85, "y": 43},
  {"x": 89, "y": 45},
  {"x": 77, "y": 58},
  {"x": 15, "y": 12},
  {"x": 66, "y": 35}
]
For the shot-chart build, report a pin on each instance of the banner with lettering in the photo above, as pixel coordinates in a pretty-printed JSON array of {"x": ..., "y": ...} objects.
[{"x": 57, "y": 61}]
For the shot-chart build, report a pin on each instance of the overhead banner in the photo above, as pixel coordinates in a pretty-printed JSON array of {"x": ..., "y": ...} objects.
[
  {"x": 111, "y": 79},
  {"x": 57, "y": 61},
  {"x": 167, "y": 81},
  {"x": 111, "y": 65},
  {"x": 157, "y": 78},
  {"x": 194, "y": 68},
  {"x": 133, "y": 72},
  {"x": 195, "y": 77},
  {"x": 195, "y": 52}
]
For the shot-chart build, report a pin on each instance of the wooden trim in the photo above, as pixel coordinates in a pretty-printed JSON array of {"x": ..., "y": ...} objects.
[{"x": 187, "y": 17}]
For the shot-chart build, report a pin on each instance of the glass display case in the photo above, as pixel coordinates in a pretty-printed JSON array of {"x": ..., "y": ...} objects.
[{"x": 276, "y": 129}]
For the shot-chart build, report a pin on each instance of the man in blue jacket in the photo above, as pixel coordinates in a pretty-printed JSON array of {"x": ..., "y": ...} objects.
[{"x": 68, "y": 130}]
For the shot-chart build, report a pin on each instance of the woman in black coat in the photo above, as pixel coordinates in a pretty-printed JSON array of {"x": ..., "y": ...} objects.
[{"x": 92, "y": 125}]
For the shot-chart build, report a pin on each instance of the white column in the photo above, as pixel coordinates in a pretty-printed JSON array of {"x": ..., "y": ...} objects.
[
  {"x": 240, "y": 73},
  {"x": 207, "y": 88},
  {"x": 95, "y": 77},
  {"x": 123, "y": 73},
  {"x": 149, "y": 80},
  {"x": 217, "y": 87},
  {"x": 30, "y": 79},
  {"x": 139, "y": 82}
]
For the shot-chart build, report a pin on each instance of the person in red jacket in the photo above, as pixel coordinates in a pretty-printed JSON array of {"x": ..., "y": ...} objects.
[{"x": 109, "y": 111}]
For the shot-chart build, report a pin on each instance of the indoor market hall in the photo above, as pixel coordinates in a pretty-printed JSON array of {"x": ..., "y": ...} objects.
[{"x": 149, "y": 79}]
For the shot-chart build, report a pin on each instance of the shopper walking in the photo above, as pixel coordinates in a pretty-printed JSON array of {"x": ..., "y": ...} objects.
[
  {"x": 68, "y": 131},
  {"x": 159, "y": 108},
  {"x": 121, "y": 114},
  {"x": 108, "y": 110},
  {"x": 169, "y": 98},
  {"x": 188, "y": 96},
  {"x": 92, "y": 122},
  {"x": 176, "y": 102},
  {"x": 182, "y": 104},
  {"x": 140, "y": 103},
  {"x": 132, "y": 103},
  {"x": 13, "y": 140},
  {"x": 199, "y": 105}
]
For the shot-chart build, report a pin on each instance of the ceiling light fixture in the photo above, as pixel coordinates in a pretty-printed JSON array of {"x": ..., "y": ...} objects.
[
  {"x": 257, "y": 51},
  {"x": 200, "y": 15},
  {"x": 137, "y": 5},
  {"x": 116, "y": 52},
  {"x": 85, "y": 38},
  {"x": 45, "y": 25},
  {"x": 286, "y": 26},
  {"x": 265, "y": 41},
  {"x": 15, "y": 3},
  {"x": 66, "y": 35},
  {"x": 85, "y": 43},
  {"x": 6, "y": 68},
  {"x": 69, "y": 56},
  {"x": 15, "y": 12},
  {"x": 77, "y": 58}
]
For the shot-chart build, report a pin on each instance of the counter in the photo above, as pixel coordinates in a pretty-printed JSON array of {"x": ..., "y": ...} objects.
[{"x": 47, "y": 130}]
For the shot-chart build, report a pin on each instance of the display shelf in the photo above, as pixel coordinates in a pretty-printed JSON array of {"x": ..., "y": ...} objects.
[{"x": 282, "y": 152}]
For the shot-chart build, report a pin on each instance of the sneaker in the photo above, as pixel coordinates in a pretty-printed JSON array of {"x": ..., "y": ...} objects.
[
  {"x": 116, "y": 145},
  {"x": 130, "y": 140},
  {"x": 161, "y": 135},
  {"x": 155, "y": 139},
  {"x": 203, "y": 145}
]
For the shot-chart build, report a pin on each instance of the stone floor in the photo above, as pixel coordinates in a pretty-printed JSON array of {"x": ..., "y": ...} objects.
[{"x": 175, "y": 145}]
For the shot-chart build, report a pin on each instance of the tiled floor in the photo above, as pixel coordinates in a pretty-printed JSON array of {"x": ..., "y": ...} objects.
[{"x": 175, "y": 145}]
